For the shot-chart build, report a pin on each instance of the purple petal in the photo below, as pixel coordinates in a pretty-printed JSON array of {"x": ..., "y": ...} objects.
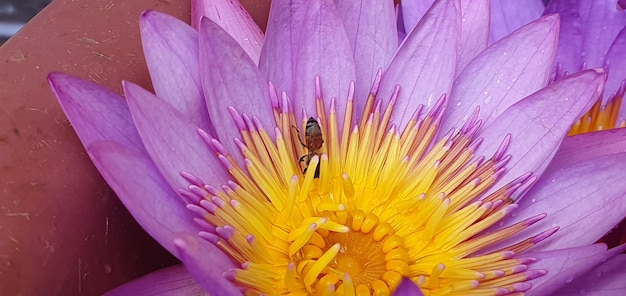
[
  {"x": 509, "y": 70},
  {"x": 570, "y": 47},
  {"x": 144, "y": 192},
  {"x": 538, "y": 123},
  {"x": 400, "y": 23},
  {"x": 565, "y": 265},
  {"x": 506, "y": 18},
  {"x": 324, "y": 51},
  {"x": 607, "y": 279},
  {"x": 615, "y": 62},
  {"x": 171, "y": 50},
  {"x": 206, "y": 263},
  {"x": 474, "y": 30},
  {"x": 584, "y": 199},
  {"x": 95, "y": 112},
  {"x": 371, "y": 29},
  {"x": 281, "y": 43},
  {"x": 424, "y": 66},
  {"x": 174, "y": 280},
  {"x": 589, "y": 145},
  {"x": 172, "y": 140},
  {"x": 234, "y": 19},
  {"x": 602, "y": 22},
  {"x": 413, "y": 11},
  {"x": 408, "y": 288},
  {"x": 230, "y": 79}
]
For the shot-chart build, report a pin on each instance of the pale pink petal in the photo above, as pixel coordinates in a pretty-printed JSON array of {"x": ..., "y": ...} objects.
[
  {"x": 171, "y": 50},
  {"x": 509, "y": 70},
  {"x": 324, "y": 51},
  {"x": 425, "y": 64},
  {"x": 234, "y": 19},
  {"x": 143, "y": 191},
  {"x": 172, "y": 140},
  {"x": 538, "y": 123},
  {"x": 173, "y": 280}
]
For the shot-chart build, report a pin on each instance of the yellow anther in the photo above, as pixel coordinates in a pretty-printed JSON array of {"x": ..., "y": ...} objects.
[
  {"x": 392, "y": 278},
  {"x": 318, "y": 266},
  {"x": 380, "y": 288},
  {"x": 392, "y": 242},
  {"x": 399, "y": 266},
  {"x": 363, "y": 290},
  {"x": 311, "y": 252},
  {"x": 358, "y": 217},
  {"x": 370, "y": 222},
  {"x": 382, "y": 230},
  {"x": 397, "y": 254}
]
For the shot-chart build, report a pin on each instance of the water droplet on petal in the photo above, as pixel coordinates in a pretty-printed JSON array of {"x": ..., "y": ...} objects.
[
  {"x": 569, "y": 279},
  {"x": 598, "y": 273}
]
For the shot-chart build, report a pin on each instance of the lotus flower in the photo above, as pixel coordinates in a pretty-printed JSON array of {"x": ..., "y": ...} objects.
[{"x": 325, "y": 157}]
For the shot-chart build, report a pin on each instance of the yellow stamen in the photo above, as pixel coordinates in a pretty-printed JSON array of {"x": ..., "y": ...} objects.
[
  {"x": 600, "y": 117},
  {"x": 385, "y": 204}
]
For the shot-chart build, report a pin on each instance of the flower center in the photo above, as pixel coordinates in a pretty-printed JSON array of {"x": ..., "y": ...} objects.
[
  {"x": 358, "y": 209},
  {"x": 373, "y": 257}
]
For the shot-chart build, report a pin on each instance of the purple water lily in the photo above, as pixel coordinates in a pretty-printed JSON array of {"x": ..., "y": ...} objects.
[{"x": 431, "y": 175}]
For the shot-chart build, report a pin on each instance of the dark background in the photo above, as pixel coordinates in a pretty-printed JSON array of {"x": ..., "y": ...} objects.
[{"x": 14, "y": 13}]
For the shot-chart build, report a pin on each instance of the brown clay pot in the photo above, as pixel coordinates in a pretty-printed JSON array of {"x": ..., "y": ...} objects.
[{"x": 62, "y": 230}]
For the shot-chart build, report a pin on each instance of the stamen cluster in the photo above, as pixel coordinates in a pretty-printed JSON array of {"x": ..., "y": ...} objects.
[{"x": 386, "y": 203}]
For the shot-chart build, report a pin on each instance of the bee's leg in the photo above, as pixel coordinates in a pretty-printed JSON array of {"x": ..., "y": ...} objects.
[
  {"x": 303, "y": 158},
  {"x": 299, "y": 138}
]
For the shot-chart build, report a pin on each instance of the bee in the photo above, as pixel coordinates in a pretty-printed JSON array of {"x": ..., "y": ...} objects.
[{"x": 314, "y": 141}]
